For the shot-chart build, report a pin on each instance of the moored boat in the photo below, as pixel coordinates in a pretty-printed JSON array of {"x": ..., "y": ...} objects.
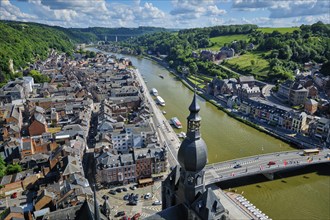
[
  {"x": 176, "y": 122},
  {"x": 181, "y": 135},
  {"x": 160, "y": 100},
  {"x": 154, "y": 92}
]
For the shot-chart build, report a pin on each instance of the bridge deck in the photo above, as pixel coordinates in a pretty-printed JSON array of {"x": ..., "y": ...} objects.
[{"x": 248, "y": 166}]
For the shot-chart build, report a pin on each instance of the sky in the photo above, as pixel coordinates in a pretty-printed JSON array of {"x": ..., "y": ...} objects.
[{"x": 166, "y": 13}]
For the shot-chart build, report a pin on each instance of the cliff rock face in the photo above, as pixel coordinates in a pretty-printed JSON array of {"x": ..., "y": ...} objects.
[{"x": 11, "y": 66}]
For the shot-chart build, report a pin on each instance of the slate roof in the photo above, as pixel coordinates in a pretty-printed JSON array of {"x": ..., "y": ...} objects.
[
  {"x": 67, "y": 213},
  {"x": 40, "y": 118},
  {"x": 207, "y": 206},
  {"x": 178, "y": 212}
]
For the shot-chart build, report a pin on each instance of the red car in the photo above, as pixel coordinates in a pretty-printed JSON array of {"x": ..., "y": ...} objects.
[
  {"x": 271, "y": 163},
  {"x": 136, "y": 216},
  {"x": 14, "y": 195}
]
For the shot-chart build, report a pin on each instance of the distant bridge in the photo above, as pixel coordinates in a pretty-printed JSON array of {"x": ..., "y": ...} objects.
[{"x": 266, "y": 164}]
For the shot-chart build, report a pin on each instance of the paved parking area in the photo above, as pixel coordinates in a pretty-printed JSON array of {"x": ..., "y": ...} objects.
[{"x": 144, "y": 207}]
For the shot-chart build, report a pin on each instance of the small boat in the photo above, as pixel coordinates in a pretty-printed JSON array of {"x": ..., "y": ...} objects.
[
  {"x": 154, "y": 92},
  {"x": 161, "y": 76},
  {"x": 160, "y": 100},
  {"x": 175, "y": 121},
  {"x": 181, "y": 135}
]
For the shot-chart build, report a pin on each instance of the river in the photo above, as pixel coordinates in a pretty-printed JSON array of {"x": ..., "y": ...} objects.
[{"x": 304, "y": 196}]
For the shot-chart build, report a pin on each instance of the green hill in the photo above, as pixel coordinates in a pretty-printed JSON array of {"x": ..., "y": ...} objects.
[
  {"x": 24, "y": 42},
  {"x": 282, "y": 30},
  {"x": 220, "y": 41}
]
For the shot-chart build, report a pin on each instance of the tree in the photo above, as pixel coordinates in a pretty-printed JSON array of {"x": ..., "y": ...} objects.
[
  {"x": 2, "y": 167},
  {"x": 325, "y": 70},
  {"x": 13, "y": 168},
  {"x": 38, "y": 77},
  {"x": 193, "y": 68}
]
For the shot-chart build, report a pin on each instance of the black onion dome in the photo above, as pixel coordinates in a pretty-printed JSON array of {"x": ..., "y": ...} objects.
[{"x": 192, "y": 154}]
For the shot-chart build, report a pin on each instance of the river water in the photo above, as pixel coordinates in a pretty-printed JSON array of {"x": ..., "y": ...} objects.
[{"x": 303, "y": 196}]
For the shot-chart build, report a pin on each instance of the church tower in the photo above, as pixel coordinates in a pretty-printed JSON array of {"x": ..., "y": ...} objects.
[
  {"x": 192, "y": 157},
  {"x": 184, "y": 195}
]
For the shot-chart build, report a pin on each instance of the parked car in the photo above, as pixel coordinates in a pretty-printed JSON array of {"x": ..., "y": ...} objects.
[
  {"x": 136, "y": 216},
  {"x": 121, "y": 213},
  {"x": 132, "y": 187},
  {"x": 132, "y": 202},
  {"x": 119, "y": 190},
  {"x": 126, "y": 197},
  {"x": 14, "y": 195},
  {"x": 237, "y": 166},
  {"x": 124, "y": 189},
  {"x": 271, "y": 163},
  {"x": 112, "y": 192},
  {"x": 136, "y": 197},
  {"x": 157, "y": 202}
]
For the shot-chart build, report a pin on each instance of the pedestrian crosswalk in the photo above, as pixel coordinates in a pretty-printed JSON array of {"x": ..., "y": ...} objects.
[{"x": 153, "y": 208}]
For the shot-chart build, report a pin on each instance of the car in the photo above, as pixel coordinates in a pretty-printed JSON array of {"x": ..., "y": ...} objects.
[
  {"x": 121, "y": 213},
  {"x": 124, "y": 189},
  {"x": 119, "y": 190},
  {"x": 132, "y": 202},
  {"x": 237, "y": 166},
  {"x": 126, "y": 197},
  {"x": 271, "y": 163},
  {"x": 112, "y": 192},
  {"x": 132, "y": 187},
  {"x": 136, "y": 216},
  {"x": 157, "y": 202},
  {"x": 146, "y": 197},
  {"x": 136, "y": 197},
  {"x": 14, "y": 195}
]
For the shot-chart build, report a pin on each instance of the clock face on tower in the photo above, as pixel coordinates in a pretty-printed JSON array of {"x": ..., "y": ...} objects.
[{"x": 194, "y": 125}]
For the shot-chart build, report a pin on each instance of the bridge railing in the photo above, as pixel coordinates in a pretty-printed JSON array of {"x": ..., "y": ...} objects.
[{"x": 250, "y": 157}]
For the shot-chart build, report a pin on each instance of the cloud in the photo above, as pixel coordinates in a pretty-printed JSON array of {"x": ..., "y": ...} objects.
[
  {"x": 251, "y": 4},
  {"x": 285, "y": 9},
  {"x": 299, "y": 8},
  {"x": 195, "y": 9},
  {"x": 214, "y": 10},
  {"x": 11, "y": 12}
]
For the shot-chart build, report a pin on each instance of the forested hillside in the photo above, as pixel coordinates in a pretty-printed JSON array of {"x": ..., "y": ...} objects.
[
  {"x": 275, "y": 55},
  {"x": 25, "y": 42}
]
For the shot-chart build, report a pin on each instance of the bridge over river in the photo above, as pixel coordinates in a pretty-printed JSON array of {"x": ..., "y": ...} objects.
[{"x": 266, "y": 164}]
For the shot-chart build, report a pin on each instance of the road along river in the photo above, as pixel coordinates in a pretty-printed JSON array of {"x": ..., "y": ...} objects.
[{"x": 304, "y": 196}]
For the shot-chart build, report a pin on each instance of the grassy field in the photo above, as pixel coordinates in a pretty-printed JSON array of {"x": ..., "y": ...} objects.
[
  {"x": 282, "y": 30},
  {"x": 251, "y": 62},
  {"x": 222, "y": 40},
  {"x": 197, "y": 81}
]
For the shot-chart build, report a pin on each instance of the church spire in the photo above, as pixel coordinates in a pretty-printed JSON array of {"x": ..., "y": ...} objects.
[
  {"x": 194, "y": 119},
  {"x": 192, "y": 153}
]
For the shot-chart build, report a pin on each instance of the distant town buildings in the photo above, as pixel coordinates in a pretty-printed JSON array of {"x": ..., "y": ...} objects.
[{"x": 307, "y": 94}]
